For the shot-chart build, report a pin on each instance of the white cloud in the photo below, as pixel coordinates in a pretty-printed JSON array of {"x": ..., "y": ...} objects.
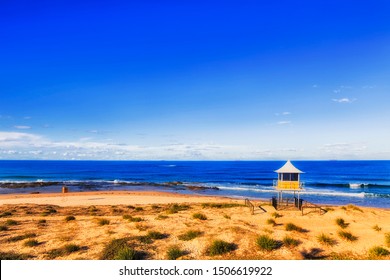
[
  {"x": 22, "y": 126},
  {"x": 283, "y": 114},
  {"x": 344, "y": 150},
  {"x": 343, "y": 100},
  {"x": 18, "y": 138},
  {"x": 284, "y": 122}
]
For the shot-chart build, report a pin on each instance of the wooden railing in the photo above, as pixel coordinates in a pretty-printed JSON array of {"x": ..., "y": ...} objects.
[
  {"x": 300, "y": 204},
  {"x": 308, "y": 205},
  {"x": 250, "y": 205}
]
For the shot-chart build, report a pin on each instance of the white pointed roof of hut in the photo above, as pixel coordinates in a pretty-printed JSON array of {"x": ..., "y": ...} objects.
[{"x": 288, "y": 168}]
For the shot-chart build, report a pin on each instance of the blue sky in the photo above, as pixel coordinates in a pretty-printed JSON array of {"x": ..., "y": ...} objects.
[{"x": 195, "y": 80}]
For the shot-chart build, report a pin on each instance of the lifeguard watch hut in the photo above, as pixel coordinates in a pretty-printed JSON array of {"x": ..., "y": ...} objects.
[{"x": 288, "y": 181}]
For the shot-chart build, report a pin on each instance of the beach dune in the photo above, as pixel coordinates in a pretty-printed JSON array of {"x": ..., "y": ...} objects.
[{"x": 175, "y": 226}]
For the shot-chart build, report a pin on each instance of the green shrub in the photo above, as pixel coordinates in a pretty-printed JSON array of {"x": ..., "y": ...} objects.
[
  {"x": 3, "y": 228},
  {"x": 126, "y": 253},
  {"x": 70, "y": 218},
  {"x": 156, "y": 235},
  {"x": 119, "y": 249},
  {"x": 5, "y": 214},
  {"x": 276, "y": 215},
  {"x": 341, "y": 223},
  {"x": 63, "y": 251},
  {"x": 266, "y": 243},
  {"x": 70, "y": 248},
  {"x": 49, "y": 211},
  {"x": 220, "y": 247},
  {"x": 271, "y": 222},
  {"x": 347, "y": 235},
  {"x": 41, "y": 222},
  {"x": 10, "y": 222},
  {"x": 199, "y": 216},
  {"x": 14, "y": 256},
  {"x": 55, "y": 253},
  {"x": 161, "y": 217},
  {"x": 103, "y": 222},
  {"x": 175, "y": 208},
  {"x": 378, "y": 251},
  {"x": 290, "y": 242},
  {"x": 189, "y": 235},
  {"x": 326, "y": 240},
  {"x": 132, "y": 219},
  {"x": 227, "y": 217},
  {"x": 293, "y": 227},
  {"x": 31, "y": 243},
  {"x": 21, "y": 237},
  {"x": 138, "y": 209},
  {"x": 174, "y": 252}
]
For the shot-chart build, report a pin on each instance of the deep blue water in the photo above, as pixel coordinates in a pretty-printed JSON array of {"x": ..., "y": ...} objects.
[{"x": 365, "y": 183}]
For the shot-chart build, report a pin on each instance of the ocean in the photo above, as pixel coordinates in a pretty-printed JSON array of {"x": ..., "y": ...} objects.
[{"x": 364, "y": 183}]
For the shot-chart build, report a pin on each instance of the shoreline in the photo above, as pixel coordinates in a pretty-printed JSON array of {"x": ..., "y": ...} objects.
[{"x": 121, "y": 197}]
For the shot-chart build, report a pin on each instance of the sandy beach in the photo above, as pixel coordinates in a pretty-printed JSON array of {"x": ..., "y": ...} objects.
[{"x": 164, "y": 225}]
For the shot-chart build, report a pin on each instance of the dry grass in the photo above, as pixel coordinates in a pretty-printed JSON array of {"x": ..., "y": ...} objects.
[
  {"x": 378, "y": 252},
  {"x": 271, "y": 222},
  {"x": 220, "y": 247},
  {"x": 266, "y": 243},
  {"x": 341, "y": 223},
  {"x": 346, "y": 235},
  {"x": 199, "y": 216},
  {"x": 103, "y": 222},
  {"x": 293, "y": 227},
  {"x": 326, "y": 240},
  {"x": 148, "y": 239},
  {"x": 290, "y": 242},
  {"x": 189, "y": 235}
]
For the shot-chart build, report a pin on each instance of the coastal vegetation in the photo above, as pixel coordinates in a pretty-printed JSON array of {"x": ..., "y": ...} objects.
[
  {"x": 102, "y": 222},
  {"x": 228, "y": 232},
  {"x": 341, "y": 223},
  {"x": 220, "y": 247},
  {"x": 70, "y": 218},
  {"x": 199, "y": 216},
  {"x": 189, "y": 235},
  {"x": 325, "y": 239},
  {"x": 291, "y": 242},
  {"x": 271, "y": 222},
  {"x": 346, "y": 235},
  {"x": 174, "y": 252},
  {"x": 293, "y": 227},
  {"x": 266, "y": 243}
]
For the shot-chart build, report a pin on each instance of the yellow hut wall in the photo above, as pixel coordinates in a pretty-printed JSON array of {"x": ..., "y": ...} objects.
[{"x": 288, "y": 185}]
